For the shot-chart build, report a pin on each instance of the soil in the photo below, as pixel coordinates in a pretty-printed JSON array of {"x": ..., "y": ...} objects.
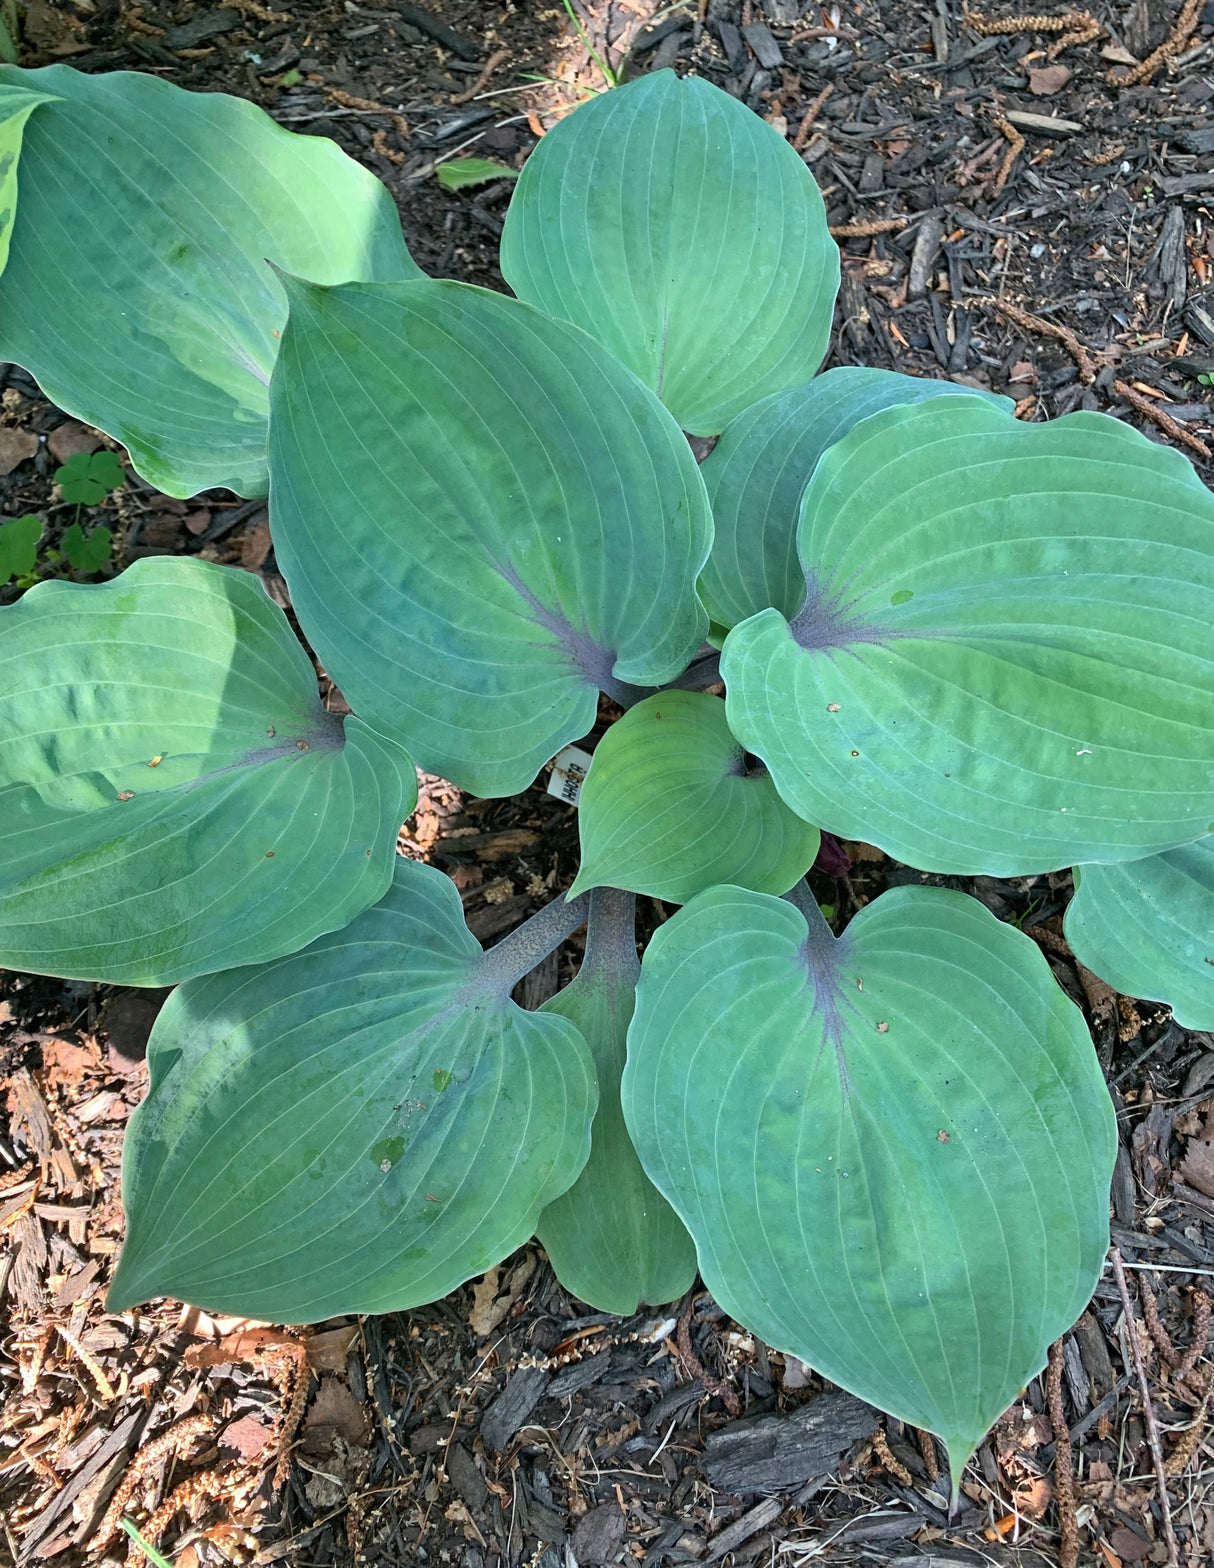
[{"x": 507, "y": 1425}]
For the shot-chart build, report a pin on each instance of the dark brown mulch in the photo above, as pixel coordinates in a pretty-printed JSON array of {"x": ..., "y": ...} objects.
[{"x": 506, "y": 1425}]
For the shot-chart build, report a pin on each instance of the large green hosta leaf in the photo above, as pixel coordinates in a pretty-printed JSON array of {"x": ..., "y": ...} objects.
[
  {"x": 483, "y": 517},
  {"x": 613, "y": 1239},
  {"x": 758, "y": 470},
  {"x": 1147, "y": 927},
  {"x": 1004, "y": 662},
  {"x": 137, "y": 289},
  {"x": 686, "y": 235},
  {"x": 16, "y": 105},
  {"x": 670, "y": 807},
  {"x": 173, "y": 797},
  {"x": 358, "y": 1128},
  {"x": 893, "y": 1150}
]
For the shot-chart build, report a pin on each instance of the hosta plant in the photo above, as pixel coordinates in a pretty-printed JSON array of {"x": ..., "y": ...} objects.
[{"x": 979, "y": 644}]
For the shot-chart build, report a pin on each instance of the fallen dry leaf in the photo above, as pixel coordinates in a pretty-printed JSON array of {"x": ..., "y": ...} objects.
[
  {"x": 1048, "y": 80},
  {"x": 71, "y": 439},
  {"x": 16, "y": 446},
  {"x": 485, "y": 1315},
  {"x": 335, "y": 1409},
  {"x": 1129, "y": 1545},
  {"x": 247, "y": 1437},
  {"x": 327, "y": 1351},
  {"x": 1197, "y": 1167}
]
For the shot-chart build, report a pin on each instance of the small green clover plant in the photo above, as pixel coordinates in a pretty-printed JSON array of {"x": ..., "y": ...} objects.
[{"x": 981, "y": 645}]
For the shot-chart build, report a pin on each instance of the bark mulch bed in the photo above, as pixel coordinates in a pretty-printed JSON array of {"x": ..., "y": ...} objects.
[{"x": 1022, "y": 207}]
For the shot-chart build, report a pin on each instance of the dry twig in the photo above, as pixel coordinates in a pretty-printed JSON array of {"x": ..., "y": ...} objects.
[
  {"x": 1148, "y": 1409},
  {"x": 1156, "y": 415},
  {"x": 491, "y": 64},
  {"x": 811, "y": 114},
  {"x": 1064, "y": 1462},
  {"x": 1031, "y": 323}
]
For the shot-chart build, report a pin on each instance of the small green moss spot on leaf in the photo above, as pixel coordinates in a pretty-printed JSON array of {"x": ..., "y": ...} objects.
[{"x": 386, "y": 1152}]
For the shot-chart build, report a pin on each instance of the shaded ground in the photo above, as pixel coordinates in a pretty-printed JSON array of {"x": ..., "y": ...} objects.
[{"x": 504, "y": 1426}]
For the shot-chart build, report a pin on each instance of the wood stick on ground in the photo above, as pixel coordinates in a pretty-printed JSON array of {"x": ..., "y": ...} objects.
[
  {"x": 1156, "y": 415},
  {"x": 1148, "y": 1409},
  {"x": 861, "y": 231},
  {"x": 491, "y": 65},
  {"x": 1031, "y": 323},
  {"x": 811, "y": 114},
  {"x": 1015, "y": 148},
  {"x": 1186, "y": 24},
  {"x": 1064, "y": 1462}
]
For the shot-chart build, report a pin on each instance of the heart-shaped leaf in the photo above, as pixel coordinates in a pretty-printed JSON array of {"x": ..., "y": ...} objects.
[
  {"x": 612, "y": 1239},
  {"x": 1003, "y": 662},
  {"x": 671, "y": 807},
  {"x": 1147, "y": 927},
  {"x": 86, "y": 552},
  {"x": 137, "y": 290},
  {"x": 681, "y": 231},
  {"x": 358, "y": 1128},
  {"x": 19, "y": 546},
  {"x": 483, "y": 518},
  {"x": 173, "y": 797},
  {"x": 893, "y": 1149},
  {"x": 17, "y": 103},
  {"x": 88, "y": 477},
  {"x": 757, "y": 473}
]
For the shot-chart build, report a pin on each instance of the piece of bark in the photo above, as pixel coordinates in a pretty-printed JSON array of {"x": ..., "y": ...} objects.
[
  {"x": 1043, "y": 124},
  {"x": 599, "y": 1535},
  {"x": 1094, "y": 1352},
  {"x": 731, "y": 42},
  {"x": 1173, "y": 262},
  {"x": 513, "y": 1405},
  {"x": 923, "y": 257},
  {"x": 209, "y": 24},
  {"x": 465, "y": 1477},
  {"x": 774, "y": 1452},
  {"x": 758, "y": 1518},
  {"x": 767, "y": 51},
  {"x": 439, "y": 31}
]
